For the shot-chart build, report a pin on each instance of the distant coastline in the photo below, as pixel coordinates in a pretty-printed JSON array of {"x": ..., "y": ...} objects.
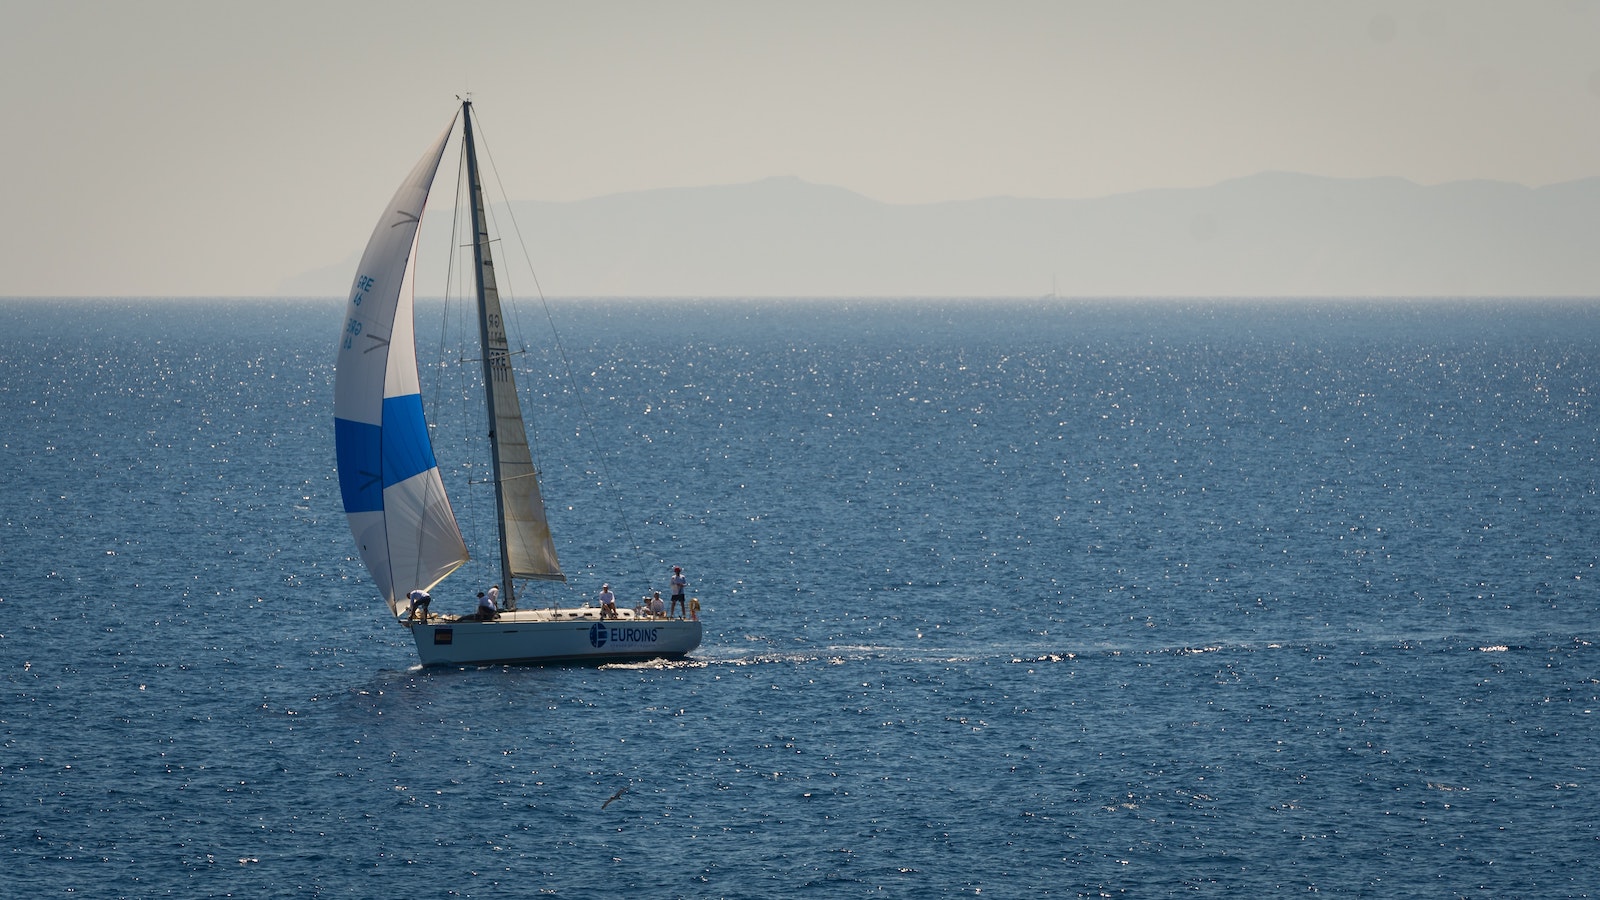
[{"x": 1268, "y": 235}]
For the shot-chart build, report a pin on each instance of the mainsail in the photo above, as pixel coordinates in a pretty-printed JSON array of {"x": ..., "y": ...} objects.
[
  {"x": 393, "y": 495},
  {"x": 526, "y": 547}
]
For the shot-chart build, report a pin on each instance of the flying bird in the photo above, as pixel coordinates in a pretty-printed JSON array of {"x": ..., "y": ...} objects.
[{"x": 619, "y": 793}]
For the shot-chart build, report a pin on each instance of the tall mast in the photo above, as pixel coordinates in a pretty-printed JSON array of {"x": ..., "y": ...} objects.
[
  {"x": 526, "y": 548},
  {"x": 492, "y": 337}
]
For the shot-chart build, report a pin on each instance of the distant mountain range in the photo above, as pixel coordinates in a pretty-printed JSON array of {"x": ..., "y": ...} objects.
[{"x": 1273, "y": 234}]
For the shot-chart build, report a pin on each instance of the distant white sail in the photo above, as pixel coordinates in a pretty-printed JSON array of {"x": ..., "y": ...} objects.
[{"x": 393, "y": 495}]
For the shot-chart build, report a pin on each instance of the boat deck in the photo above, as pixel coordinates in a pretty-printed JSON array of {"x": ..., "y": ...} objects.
[{"x": 573, "y": 614}]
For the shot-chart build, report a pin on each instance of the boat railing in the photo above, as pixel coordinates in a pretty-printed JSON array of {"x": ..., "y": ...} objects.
[{"x": 551, "y": 614}]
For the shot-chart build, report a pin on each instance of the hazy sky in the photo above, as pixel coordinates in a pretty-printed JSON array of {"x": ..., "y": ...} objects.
[{"x": 214, "y": 148}]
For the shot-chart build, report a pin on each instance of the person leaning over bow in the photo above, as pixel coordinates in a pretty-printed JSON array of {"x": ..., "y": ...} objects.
[{"x": 420, "y": 599}]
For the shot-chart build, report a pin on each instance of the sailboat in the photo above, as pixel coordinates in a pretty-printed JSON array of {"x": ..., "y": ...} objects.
[{"x": 404, "y": 526}]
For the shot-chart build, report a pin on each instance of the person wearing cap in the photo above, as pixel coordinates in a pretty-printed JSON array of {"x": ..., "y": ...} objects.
[
  {"x": 608, "y": 602},
  {"x": 678, "y": 584}
]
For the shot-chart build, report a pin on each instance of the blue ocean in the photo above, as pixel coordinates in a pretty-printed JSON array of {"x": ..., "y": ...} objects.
[{"x": 1002, "y": 598}]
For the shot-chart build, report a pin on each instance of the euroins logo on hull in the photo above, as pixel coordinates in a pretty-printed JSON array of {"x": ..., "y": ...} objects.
[{"x": 601, "y": 635}]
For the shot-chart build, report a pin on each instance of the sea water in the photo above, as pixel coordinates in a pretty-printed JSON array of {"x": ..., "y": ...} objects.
[{"x": 1006, "y": 598}]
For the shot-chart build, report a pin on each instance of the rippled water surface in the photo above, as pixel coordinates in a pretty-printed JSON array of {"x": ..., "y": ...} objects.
[{"x": 1008, "y": 598}]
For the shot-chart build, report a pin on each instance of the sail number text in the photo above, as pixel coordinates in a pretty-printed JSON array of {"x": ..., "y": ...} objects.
[{"x": 364, "y": 283}]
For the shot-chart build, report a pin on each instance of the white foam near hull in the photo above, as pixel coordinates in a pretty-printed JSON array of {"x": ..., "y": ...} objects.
[{"x": 572, "y": 636}]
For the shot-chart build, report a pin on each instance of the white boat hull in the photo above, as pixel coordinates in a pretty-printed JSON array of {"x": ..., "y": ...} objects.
[{"x": 543, "y": 636}]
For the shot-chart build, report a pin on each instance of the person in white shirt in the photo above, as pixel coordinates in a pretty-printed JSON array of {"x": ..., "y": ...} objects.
[
  {"x": 678, "y": 584},
  {"x": 419, "y": 601},
  {"x": 608, "y": 602}
]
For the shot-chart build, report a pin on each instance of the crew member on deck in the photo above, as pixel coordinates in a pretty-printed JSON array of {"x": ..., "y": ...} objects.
[
  {"x": 419, "y": 601},
  {"x": 486, "y": 608},
  {"x": 678, "y": 584},
  {"x": 608, "y": 602}
]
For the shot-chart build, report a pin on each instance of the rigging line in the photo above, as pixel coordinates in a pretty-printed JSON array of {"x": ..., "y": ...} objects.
[
  {"x": 561, "y": 351},
  {"x": 454, "y": 299},
  {"x": 503, "y": 274},
  {"x": 439, "y": 363}
]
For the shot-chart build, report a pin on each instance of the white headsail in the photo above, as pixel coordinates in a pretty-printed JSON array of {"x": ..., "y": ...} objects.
[{"x": 393, "y": 495}]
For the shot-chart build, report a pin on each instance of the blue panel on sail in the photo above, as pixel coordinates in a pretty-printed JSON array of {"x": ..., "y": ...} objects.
[
  {"x": 406, "y": 448},
  {"x": 359, "y": 447}
]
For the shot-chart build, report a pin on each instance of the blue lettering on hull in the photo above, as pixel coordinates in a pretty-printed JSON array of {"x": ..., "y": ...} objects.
[{"x": 603, "y": 635}]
